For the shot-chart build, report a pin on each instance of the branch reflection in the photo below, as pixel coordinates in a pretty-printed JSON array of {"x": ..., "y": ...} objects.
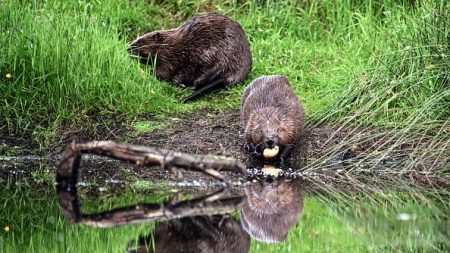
[{"x": 269, "y": 208}]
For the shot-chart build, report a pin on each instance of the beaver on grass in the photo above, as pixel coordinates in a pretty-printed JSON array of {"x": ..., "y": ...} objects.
[
  {"x": 209, "y": 51},
  {"x": 272, "y": 115}
]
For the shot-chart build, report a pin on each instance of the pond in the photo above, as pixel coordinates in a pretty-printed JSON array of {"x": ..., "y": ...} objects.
[{"x": 121, "y": 207}]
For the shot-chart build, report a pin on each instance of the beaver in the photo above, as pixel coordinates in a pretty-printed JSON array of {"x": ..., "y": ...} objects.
[
  {"x": 200, "y": 234},
  {"x": 271, "y": 208},
  {"x": 272, "y": 115},
  {"x": 208, "y": 52}
]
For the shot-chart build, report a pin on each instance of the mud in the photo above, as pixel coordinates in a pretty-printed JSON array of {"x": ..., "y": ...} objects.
[{"x": 321, "y": 156}]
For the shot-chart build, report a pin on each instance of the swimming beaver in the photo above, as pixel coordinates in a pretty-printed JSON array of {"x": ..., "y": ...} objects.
[
  {"x": 272, "y": 116},
  {"x": 207, "y": 52}
]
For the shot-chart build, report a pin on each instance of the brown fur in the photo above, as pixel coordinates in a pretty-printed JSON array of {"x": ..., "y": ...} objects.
[
  {"x": 209, "y": 48},
  {"x": 271, "y": 209},
  {"x": 272, "y": 114},
  {"x": 201, "y": 234}
]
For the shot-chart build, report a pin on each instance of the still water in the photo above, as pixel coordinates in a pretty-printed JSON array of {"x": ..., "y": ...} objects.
[{"x": 111, "y": 209}]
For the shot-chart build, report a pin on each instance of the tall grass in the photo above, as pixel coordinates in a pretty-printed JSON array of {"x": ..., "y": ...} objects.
[
  {"x": 406, "y": 94},
  {"x": 391, "y": 133},
  {"x": 68, "y": 60},
  {"x": 409, "y": 82}
]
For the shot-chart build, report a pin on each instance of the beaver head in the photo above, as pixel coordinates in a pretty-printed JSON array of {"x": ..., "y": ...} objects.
[
  {"x": 150, "y": 44},
  {"x": 270, "y": 127}
]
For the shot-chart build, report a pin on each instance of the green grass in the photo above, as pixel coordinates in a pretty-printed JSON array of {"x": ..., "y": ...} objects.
[
  {"x": 318, "y": 230},
  {"x": 68, "y": 61},
  {"x": 146, "y": 126},
  {"x": 407, "y": 83}
]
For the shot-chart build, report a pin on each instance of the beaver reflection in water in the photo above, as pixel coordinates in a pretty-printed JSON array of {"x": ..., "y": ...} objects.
[
  {"x": 201, "y": 234},
  {"x": 207, "y": 52},
  {"x": 271, "y": 209},
  {"x": 272, "y": 115}
]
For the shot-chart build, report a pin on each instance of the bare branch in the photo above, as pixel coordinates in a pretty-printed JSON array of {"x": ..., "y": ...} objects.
[
  {"x": 146, "y": 156},
  {"x": 68, "y": 171}
]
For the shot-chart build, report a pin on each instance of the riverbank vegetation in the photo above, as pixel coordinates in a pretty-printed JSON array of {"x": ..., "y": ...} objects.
[{"x": 63, "y": 64}]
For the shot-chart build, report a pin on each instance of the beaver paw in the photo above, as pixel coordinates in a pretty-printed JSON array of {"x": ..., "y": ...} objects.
[{"x": 249, "y": 147}]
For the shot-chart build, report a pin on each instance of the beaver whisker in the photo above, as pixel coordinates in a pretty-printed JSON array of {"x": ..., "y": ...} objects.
[
  {"x": 136, "y": 56},
  {"x": 141, "y": 47}
]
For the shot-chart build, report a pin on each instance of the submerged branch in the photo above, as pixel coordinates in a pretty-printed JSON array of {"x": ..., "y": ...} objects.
[{"x": 67, "y": 174}]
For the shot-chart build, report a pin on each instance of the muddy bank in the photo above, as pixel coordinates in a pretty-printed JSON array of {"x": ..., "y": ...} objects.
[{"x": 343, "y": 156}]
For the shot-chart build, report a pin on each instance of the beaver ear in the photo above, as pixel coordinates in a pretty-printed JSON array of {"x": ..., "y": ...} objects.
[{"x": 157, "y": 36}]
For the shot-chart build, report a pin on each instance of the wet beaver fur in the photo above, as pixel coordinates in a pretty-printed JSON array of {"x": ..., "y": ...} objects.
[
  {"x": 200, "y": 234},
  {"x": 272, "y": 115},
  {"x": 271, "y": 208},
  {"x": 208, "y": 52}
]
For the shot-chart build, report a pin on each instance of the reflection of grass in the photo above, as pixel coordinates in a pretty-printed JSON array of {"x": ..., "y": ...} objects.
[
  {"x": 318, "y": 230},
  {"x": 387, "y": 221},
  {"x": 36, "y": 224},
  {"x": 350, "y": 222},
  {"x": 141, "y": 185},
  {"x": 340, "y": 222}
]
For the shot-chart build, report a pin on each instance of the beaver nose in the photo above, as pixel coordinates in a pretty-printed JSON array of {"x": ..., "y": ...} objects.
[
  {"x": 269, "y": 142},
  {"x": 131, "y": 48},
  {"x": 134, "y": 46}
]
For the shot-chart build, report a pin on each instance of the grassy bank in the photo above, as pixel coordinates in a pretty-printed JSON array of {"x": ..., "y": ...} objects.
[
  {"x": 65, "y": 63},
  {"x": 409, "y": 82}
]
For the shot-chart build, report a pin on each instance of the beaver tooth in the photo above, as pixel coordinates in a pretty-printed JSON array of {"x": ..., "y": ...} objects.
[{"x": 271, "y": 152}]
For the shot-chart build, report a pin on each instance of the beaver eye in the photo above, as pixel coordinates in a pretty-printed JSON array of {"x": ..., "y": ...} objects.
[{"x": 157, "y": 36}]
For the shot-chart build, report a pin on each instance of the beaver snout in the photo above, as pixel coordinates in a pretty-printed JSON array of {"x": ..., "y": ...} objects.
[
  {"x": 271, "y": 141},
  {"x": 134, "y": 46},
  {"x": 137, "y": 50},
  {"x": 131, "y": 49}
]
